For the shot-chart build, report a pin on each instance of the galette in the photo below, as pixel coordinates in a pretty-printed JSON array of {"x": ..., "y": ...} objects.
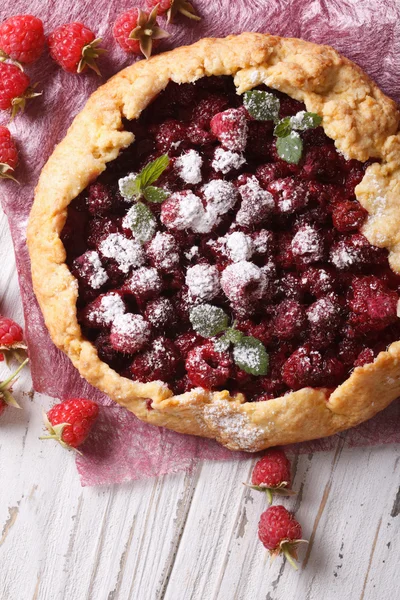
[{"x": 215, "y": 244}]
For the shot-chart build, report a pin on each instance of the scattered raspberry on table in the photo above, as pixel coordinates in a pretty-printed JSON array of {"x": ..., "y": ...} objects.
[
  {"x": 137, "y": 31},
  {"x": 8, "y": 155},
  {"x": 14, "y": 88},
  {"x": 22, "y": 38},
  {"x": 271, "y": 474},
  {"x": 280, "y": 533},
  {"x": 71, "y": 421},
  {"x": 74, "y": 47},
  {"x": 172, "y": 7}
]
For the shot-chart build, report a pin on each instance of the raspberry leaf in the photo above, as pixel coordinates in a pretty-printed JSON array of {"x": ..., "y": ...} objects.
[
  {"x": 251, "y": 356},
  {"x": 262, "y": 106},
  {"x": 290, "y": 148},
  {"x": 305, "y": 120},
  {"x": 143, "y": 223},
  {"x": 151, "y": 172},
  {"x": 208, "y": 320},
  {"x": 283, "y": 128},
  {"x": 155, "y": 194}
]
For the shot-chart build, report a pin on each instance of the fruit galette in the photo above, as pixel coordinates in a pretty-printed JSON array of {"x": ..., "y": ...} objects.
[{"x": 216, "y": 242}]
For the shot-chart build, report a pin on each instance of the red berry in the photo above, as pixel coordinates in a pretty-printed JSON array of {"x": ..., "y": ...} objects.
[
  {"x": 74, "y": 47},
  {"x": 161, "y": 314},
  {"x": 230, "y": 128},
  {"x": 8, "y": 153},
  {"x": 160, "y": 362},
  {"x": 170, "y": 136},
  {"x": 279, "y": 531},
  {"x": 147, "y": 33},
  {"x": 290, "y": 320},
  {"x": 207, "y": 108},
  {"x": 348, "y": 216},
  {"x": 272, "y": 474},
  {"x": 13, "y": 88},
  {"x": 172, "y": 7},
  {"x": 303, "y": 368},
  {"x": 144, "y": 283},
  {"x": 99, "y": 199},
  {"x": 129, "y": 333},
  {"x": 11, "y": 339},
  {"x": 208, "y": 368},
  {"x": 22, "y": 38},
  {"x": 290, "y": 195},
  {"x": 98, "y": 228},
  {"x": 365, "y": 357},
  {"x": 77, "y": 415},
  {"x": 318, "y": 281}
]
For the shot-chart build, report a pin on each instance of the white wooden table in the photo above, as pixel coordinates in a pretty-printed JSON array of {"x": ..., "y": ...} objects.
[{"x": 185, "y": 536}]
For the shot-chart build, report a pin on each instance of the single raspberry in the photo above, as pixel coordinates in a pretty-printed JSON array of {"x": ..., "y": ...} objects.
[
  {"x": 290, "y": 195},
  {"x": 208, "y": 368},
  {"x": 280, "y": 533},
  {"x": 145, "y": 283},
  {"x": 318, "y": 281},
  {"x": 12, "y": 343},
  {"x": 308, "y": 246},
  {"x": 107, "y": 353},
  {"x": 161, "y": 314},
  {"x": 99, "y": 200},
  {"x": 290, "y": 320},
  {"x": 290, "y": 287},
  {"x": 129, "y": 333},
  {"x": 365, "y": 357},
  {"x": 303, "y": 368},
  {"x": 199, "y": 136},
  {"x": 89, "y": 270},
  {"x": 349, "y": 351},
  {"x": 170, "y": 136},
  {"x": 14, "y": 88},
  {"x": 8, "y": 154},
  {"x": 262, "y": 331},
  {"x": 203, "y": 282},
  {"x": 172, "y": 8},
  {"x": 321, "y": 163},
  {"x": 187, "y": 341},
  {"x": 163, "y": 251},
  {"x": 74, "y": 47},
  {"x": 207, "y": 108},
  {"x": 353, "y": 178},
  {"x": 374, "y": 305},
  {"x": 138, "y": 32},
  {"x": 70, "y": 421},
  {"x": 263, "y": 243},
  {"x": 230, "y": 128},
  {"x": 244, "y": 283},
  {"x": 284, "y": 256},
  {"x": 270, "y": 172},
  {"x": 325, "y": 318},
  {"x": 159, "y": 363},
  {"x": 103, "y": 311},
  {"x": 334, "y": 371},
  {"x": 271, "y": 474},
  {"x": 257, "y": 204},
  {"x": 348, "y": 216},
  {"x": 22, "y": 38},
  {"x": 99, "y": 228},
  {"x": 354, "y": 252}
]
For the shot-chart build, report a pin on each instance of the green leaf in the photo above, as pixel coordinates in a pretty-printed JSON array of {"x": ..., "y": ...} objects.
[
  {"x": 290, "y": 148},
  {"x": 305, "y": 120},
  {"x": 129, "y": 186},
  {"x": 142, "y": 222},
  {"x": 208, "y": 320},
  {"x": 262, "y": 106},
  {"x": 155, "y": 194},
  {"x": 283, "y": 128},
  {"x": 153, "y": 170},
  {"x": 251, "y": 356},
  {"x": 233, "y": 335}
]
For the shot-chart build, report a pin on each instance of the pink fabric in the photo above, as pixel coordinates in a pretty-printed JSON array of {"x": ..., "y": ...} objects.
[{"x": 122, "y": 448}]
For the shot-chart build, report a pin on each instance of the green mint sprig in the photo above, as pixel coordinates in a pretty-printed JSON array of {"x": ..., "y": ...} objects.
[
  {"x": 138, "y": 187},
  {"x": 249, "y": 353},
  {"x": 264, "y": 106}
]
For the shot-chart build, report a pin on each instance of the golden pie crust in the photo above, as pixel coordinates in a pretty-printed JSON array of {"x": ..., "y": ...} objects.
[{"x": 356, "y": 114}]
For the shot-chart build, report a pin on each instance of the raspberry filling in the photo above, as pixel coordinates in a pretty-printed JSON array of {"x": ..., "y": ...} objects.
[{"x": 274, "y": 246}]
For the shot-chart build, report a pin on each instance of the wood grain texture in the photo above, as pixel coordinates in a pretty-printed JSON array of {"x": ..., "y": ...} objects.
[{"x": 185, "y": 536}]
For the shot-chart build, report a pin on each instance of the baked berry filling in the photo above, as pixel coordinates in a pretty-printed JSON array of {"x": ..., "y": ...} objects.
[{"x": 223, "y": 249}]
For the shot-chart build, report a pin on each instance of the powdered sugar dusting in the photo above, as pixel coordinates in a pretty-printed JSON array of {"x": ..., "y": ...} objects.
[
  {"x": 256, "y": 205},
  {"x": 232, "y": 425},
  {"x": 110, "y": 307},
  {"x": 189, "y": 167},
  {"x": 239, "y": 246},
  {"x": 128, "y": 326},
  {"x": 226, "y": 160},
  {"x": 237, "y": 279},
  {"x": 307, "y": 243},
  {"x": 127, "y": 253},
  {"x": 163, "y": 250},
  {"x": 203, "y": 281},
  {"x": 221, "y": 196}
]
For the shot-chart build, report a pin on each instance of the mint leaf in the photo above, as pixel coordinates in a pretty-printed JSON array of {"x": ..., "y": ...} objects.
[
  {"x": 262, "y": 106},
  {"x": 233, "y": 335},
  {"x": 155, "y": 194},
  {"x": 142, "y": 222},
  {"x": 305, "y": 120},
  {"x": 129, "y": 186},
  {"x": 251, "y": 356},
  {"x": 283, "y": 128},
  {"x": 290, "y": 148},
  {"x": 221, "y": 344},
  {"x": 151, "y": 172},
  {"x": 208, "y": 320}
]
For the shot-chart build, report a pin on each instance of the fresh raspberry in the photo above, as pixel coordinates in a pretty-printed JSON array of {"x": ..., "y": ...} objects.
[
  {"x": 353, "y": 178},
  {"x": 318, "y": 281},
  {"x": 145, "y": 283},
  {"x": 137, "y": 31},
  {"x": 290, "y": 320},
  {"x": 262, "y": 331},
  {"x": 280, "y": 533},
  {"x": 14, "y": 86},
  {"x": 99, "y": 199},
  {"x": 103, "y": 311},
  {"x": 308, "y": 246},
  {"x": 89, "y": 270},
  {"x": 163, "y": 251},
  {"x": 187, "y": 341},
  {"x": 244, "y": 283},
  {"x": 230, "y": 128},
  {"x": 70, "y": 421},
  {"x": 365, "y": 357},
  {"x": 74, "y": 47},
  {"x": 172, "y": 7},
  {"x": 203, "y": 282},
  {"x": 257, "y": 204},
  {"x": 98, "y": 228},
  {"x": 161, "y": 314},
  {"x": 324, "y": 317},
  {"x": 208, "y": 368},
  {"x": 349, "y": 351},
  {"x": 348, "y": 216},
  {"x": 22, "y": 38},
  {"x": 374, "y": 305},
  {"x": 271, "y": 474},
  {"x": 158, "y": 363},
  {"x": 199, "y": 136},
  {"x": 270, "y": 172},
  {"x": 207, "y": 108},
  {"x": 289, "y": 286},
  {"x": 354, "y": 252},
  {"x": 263, "y": 243},
  {"x": 8, "y": 154},
  {"x": 107, "y": 353},
  {"x": 321, "y": 163},
  {"x": 12, "y": 343},
  {"x": 290, "y": 195},
  {"x": 303, "y": 368},
  {"x": 170, "y": 136},
  {"x": 334, "y": 371},
  {"x": 284, "y": 256},
  {"x": 129, "y": 333}
]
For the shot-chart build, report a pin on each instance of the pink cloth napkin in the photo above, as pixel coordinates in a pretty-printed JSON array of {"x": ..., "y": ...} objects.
[{"x": 122, "y": 448}]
